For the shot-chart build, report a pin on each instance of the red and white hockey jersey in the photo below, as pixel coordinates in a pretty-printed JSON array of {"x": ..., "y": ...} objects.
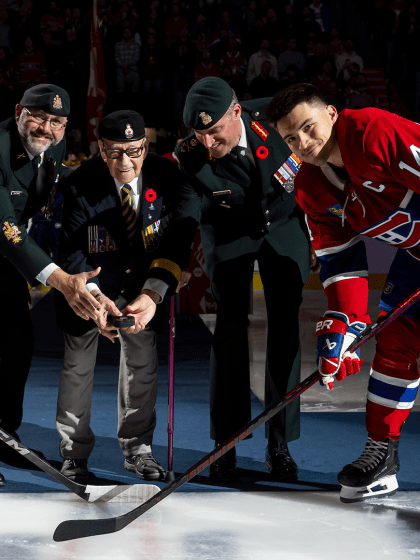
[{"x": 381, "y": 154}]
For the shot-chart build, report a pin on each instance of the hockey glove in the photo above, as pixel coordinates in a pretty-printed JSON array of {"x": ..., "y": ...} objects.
[{"x": 335, "y": 334}]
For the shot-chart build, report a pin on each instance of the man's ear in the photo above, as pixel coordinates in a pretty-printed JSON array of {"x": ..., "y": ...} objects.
[
  {"x": 146, "y": 147},
  {"x": 18, "y": 112},
  {"x": 333, "y": 113},
  {"x": 237, "y": 111},
  {"x": 101, "y": 149}
]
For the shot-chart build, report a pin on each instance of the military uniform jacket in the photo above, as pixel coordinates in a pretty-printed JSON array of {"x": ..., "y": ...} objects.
[
  {"x": 21, "y": 196},
  {"x": 238, "y": 209},
  {"x": 94, "y": 233}
]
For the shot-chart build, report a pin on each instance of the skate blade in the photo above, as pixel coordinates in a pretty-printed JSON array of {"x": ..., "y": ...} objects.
[
  {"x": 122, "y": 493},
  {"x": 382, "y": 488}
]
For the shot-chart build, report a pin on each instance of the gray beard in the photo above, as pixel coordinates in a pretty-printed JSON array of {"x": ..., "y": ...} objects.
[{"x": 30, "y": 141}]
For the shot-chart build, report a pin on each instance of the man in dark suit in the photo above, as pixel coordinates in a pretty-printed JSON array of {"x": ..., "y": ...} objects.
[
  {"x": 32, "y": 149},
  {"x": 242, "y": 180},
  {"x": 112, "y": 218}
]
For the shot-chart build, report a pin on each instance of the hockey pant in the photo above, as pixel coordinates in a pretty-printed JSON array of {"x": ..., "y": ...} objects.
[{"x": 394, "y": 378}]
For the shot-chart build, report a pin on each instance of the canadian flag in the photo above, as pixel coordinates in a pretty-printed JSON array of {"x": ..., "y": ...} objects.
[{"x": 96, "y": 97}]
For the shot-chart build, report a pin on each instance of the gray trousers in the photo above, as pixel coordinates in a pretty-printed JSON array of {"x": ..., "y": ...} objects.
[{"x": 137, "y": 389}]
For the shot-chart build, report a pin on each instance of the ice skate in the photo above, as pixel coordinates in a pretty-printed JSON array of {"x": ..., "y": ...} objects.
[{"x": 372, "y": 475}]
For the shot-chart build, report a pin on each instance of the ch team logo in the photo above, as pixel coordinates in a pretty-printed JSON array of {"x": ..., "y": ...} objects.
[{"x": 397, "y": 229}]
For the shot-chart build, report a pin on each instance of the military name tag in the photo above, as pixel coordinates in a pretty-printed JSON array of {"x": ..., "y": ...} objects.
[
  {"x": 16, "y": 193},
  {"x": 100, "y": 241},
  {"x": 221, "y": 193}
]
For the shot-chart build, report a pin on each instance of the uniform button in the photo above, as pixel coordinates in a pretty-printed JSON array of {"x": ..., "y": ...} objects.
[
  {"x": 262, "y": 231},
  {"x": 268, "y": 224},
  {"x": 123, "y": 290},
  {"x": 257, "y": 113},
  {"x": 128, "y": 271},
  {"x": 267, "y": 211}
]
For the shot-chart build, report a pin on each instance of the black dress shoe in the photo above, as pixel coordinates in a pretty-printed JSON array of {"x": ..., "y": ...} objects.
[
  {"x": 279, "y": 462},
  {"x": 224, "y": 469},
  {"x": 76, "y": 470},
  {"x": 2, "y": 481},
  {"x": 145, "y": 466}
]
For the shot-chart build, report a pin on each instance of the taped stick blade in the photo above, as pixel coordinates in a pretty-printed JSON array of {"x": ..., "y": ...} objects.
[{"x": 122, "y": 493}]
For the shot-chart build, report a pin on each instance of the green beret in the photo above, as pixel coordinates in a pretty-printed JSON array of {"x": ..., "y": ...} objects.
[
  {"x": 122, "y": 126},
  {"x": 207, "y": 102},
  {"x": 51, "y": 99}
]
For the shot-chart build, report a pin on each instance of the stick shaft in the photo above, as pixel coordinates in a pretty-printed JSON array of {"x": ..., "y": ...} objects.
[
  {"x": 78, "y": 489},
  {"x": 171, "y": 384},
  {"x": 84, "y": 528}
]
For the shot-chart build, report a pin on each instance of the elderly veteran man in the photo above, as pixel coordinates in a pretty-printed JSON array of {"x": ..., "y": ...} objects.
[
  {"x": 113, "y": 215},
  {"x": 32, "y": 149},
  {"x": 238, "y": 168}
]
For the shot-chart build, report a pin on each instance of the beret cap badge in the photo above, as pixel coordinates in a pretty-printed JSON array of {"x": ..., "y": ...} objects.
[
  {"x": 205, "y": 118},
  {"x": 57, "y": 103},
  {"x": 128, "y": 131}
]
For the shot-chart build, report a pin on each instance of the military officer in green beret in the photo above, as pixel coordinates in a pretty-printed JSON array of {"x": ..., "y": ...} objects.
[
  {"x": 241, "y": 176},
  {"x": 32, "y": 149}
]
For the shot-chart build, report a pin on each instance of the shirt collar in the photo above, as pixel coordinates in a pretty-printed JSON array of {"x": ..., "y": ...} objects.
[
  {"x": 133, "y": 184},
  {"x": 31, "y": 157},
  {"x": 243, "y": 143}
]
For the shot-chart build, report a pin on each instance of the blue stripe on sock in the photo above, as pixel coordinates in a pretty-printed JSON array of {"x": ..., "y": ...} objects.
[{"x": 391, "y": 392}]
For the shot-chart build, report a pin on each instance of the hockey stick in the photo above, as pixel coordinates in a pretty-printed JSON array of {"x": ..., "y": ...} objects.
[
  {"x": 76, "y": 529},
  {"x": 89, "y": 493},
  {"x": 170, "y": 476}
]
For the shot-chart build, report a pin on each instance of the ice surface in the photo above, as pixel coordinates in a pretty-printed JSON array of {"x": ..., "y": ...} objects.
[{"x": 218, "y": 526}]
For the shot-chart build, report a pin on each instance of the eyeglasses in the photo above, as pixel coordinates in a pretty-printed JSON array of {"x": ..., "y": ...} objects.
[
  {"x": 116, "y": 153},
  {"x": 41, "y": 120}
]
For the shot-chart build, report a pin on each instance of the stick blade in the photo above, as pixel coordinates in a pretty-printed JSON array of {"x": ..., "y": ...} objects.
[
  {"x": 81, "y": 528},
  {"x": 78, "y": 529},
  {"x": 121, "y": 493}
]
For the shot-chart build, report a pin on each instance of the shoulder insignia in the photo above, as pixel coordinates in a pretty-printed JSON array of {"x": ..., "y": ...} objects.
[
  {"x": 12, "y": 232},
  {"x": 188, "y": 145},
  {"x": 260, "y": 130}
]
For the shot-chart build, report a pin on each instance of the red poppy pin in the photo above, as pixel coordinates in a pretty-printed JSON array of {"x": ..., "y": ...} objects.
[
  {"x": 150, "y": 195},
  {"x": 261, "y": 152}
]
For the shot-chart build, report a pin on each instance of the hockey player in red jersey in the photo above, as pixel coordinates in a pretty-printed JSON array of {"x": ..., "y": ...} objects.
[{"x": 360, "y": 176}]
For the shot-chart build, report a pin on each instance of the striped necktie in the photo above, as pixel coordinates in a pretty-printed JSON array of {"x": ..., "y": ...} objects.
[{"x": 129, "y": 211}]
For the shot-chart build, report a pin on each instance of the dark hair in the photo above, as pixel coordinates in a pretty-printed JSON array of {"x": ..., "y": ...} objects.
[{"x": 286, "y": 100}]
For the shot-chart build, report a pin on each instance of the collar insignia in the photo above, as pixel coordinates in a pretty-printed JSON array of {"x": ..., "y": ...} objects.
[{"x": 260, "y": 130}]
